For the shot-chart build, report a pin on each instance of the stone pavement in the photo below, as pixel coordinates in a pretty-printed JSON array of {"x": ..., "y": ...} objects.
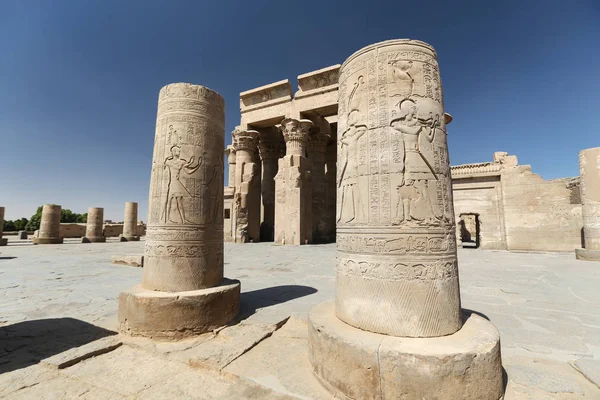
[{"x": 58, "y": 306}]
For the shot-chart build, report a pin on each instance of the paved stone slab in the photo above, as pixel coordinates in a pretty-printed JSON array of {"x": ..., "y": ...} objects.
[
  {"x": 13, "y": 381},
  {"x": 64, "y": 388},
  {"x": 590, "y": 369},
  {"x": 133, "y": 260},
  {"x": 77, "y": 354}
]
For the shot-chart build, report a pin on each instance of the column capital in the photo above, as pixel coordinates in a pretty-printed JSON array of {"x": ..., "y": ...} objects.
[
  {"x": 296, "y": 132},
  {"x": 269, "y": 149},
  {"x": 245, "y": 139},
  {"x": 230, "y": 153},
  {"x": 318, "y": 141}
]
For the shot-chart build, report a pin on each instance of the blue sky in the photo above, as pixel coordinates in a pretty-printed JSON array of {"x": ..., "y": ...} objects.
[{"x": 80, "y": 80}]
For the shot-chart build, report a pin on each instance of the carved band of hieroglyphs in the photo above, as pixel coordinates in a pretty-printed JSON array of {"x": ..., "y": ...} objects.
[
  {"x": 197, "y": 107},
  {"x": 196, "y": 234},
  {"x": 432, "y": 244},
  {"x": 405, "y": 270},
  {"x": 190, "y": 92},
  {"x": 175, "y": 250}
]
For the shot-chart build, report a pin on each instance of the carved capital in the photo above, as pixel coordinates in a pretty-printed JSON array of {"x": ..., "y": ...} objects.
[
  {"x": 230, "y": 153},
  {"x": 270, "y": 149},
  {"x": 317, "y": 142},
  {"x": 296, "y": 133},
  {"x": 244, "y": 139}
]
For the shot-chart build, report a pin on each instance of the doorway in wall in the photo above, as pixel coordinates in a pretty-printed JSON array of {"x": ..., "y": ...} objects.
[{"x": 469, "y": 230}]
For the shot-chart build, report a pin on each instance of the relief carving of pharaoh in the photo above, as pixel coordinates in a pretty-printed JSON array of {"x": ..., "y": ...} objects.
[{"x": 175, "y": 165}]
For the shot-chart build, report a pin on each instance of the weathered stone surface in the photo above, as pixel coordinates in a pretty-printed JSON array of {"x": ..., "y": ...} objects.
[
  {"x": 589, "y": 368},
  {"x": 247, "y": 186},
  {"x": 176, "y": 315},
  {"x": 587, "y": 255},
  {"x": 134, "y": 260},
  {"x": 293, "y": 187},
  {"x": 365, "y": 365},
  {"x": 94, "y": 230},
  {"x": 397, "y": 270},
  {"x": 77, "y": 354},
  {"x": 589, "y": 169},
  {"x": 3, "y": 242},
  {"x": 49, "y": 232},
  {"x": 22, "y": 235},
  {"x": 130, "y": 223}
]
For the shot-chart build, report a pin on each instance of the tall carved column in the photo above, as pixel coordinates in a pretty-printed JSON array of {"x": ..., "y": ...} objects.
[
  {"x": 396, "y": 328},
  {"x": 49, "y": 232},
  {"x": 317, "y": 144},
  {"x": 3, "y": 242},
  {"x": 130, "y": 222},
  {"x": 589, "y": 171},
  {"x": 330, "y": 190},
  {"x": 293, "y": 204},
  {"x": 247, "y": 186},
  {"x": 183, "y": 291},
  {"x": 94, "y": 228},
  {"x": 230, "y": 153},
  {"x": 270, "y": 149}
]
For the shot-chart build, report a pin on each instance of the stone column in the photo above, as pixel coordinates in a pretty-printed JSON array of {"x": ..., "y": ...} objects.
[
  {"x": 330, "y": 190},
  {"x": 183, "y": 291},
  {"x": 3, "y": 241},
  {"x": 317, "y": 144},
  {"x": 293, "y": 204},
  {"x": 247, "y": 186},
  {"x": 396, "y": 328},
  {"x": 130, "y": 222},
  {"x": 270, "y": 149},
  {"x": 230, "y": 153},
  {"x": 94, "y": 228},
  {"x": 589, "y": 171},
  {"x": 49, "y": 232}
]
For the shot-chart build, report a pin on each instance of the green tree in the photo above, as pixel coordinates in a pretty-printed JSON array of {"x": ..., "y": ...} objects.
[
  {"x": 9, "y": 226},
  {"x": 20, "y": 224},
  {"x": 81, "y": 218},
  {"x": 68, "y": 216},
  {"x": 34, "y": 221}
]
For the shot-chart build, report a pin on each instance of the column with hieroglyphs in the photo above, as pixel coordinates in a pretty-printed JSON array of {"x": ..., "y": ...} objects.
[
  {"x": 589, "y": 171},
  {"x": 183, "y": 291},
  {"x": 49, "y": 232},
  {"x": 230, "y": 153},
  {"x": 247, "y": 186},
  {"x": 396, "y": 328},
  {"x": 94, "y": 227},
  {"x": 270, "y": 150},
  {"x": 316, "y": 149},
  {"x": 3, "y": 241},
  {"x": 130, "y": 223},
  {"x": 293, "y": 187}
]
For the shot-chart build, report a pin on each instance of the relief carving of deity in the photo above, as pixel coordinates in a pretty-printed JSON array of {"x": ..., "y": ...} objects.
[
  {"x": 176, "y": 190},
  {"x": 350, "y": 195},
  {"x": 401, "y": 77}
]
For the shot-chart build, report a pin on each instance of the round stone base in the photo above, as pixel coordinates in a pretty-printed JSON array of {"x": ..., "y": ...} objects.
[
  {"x": 588, "y": 255},
  {"x": 86, "y": 239},
  {"x": 47, "y": 240},
  {"x": 129, "y": 238},
  {"x": 176, "y": 315},
  {"x": 356, "y": 364},
  {"x": 3, "y": 241}
]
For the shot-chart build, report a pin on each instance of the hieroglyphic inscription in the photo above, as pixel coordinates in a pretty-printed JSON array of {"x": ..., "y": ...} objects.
[
  {"x": 438, "y": 243},
  {"x": 406, "y": 270}
]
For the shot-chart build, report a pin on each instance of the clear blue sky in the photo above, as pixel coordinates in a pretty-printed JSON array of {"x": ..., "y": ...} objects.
[{"x": 80, "y": 80}]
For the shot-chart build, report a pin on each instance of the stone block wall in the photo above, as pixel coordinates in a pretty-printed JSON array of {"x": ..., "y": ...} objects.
[{"x": 540, "y": 215}]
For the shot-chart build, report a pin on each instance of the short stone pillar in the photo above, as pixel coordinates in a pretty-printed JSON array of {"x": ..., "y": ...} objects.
[
  {"x": 22, "y": 235},
  {"x": 183, "y": 291},
  {"x": 247, "y": 186},
  {"x": 231, "y": 160},
  {"x": 317, "y": 145},
  {"x": 589, "y": 171},
  {"x": 3, "y": 241},
  {"x": 396, "y": 329},
  {"x": 270, "y": 150},
  {"x": 293, "y": 187},
  {"x": 130, "y": 223},
  {"x": 49, "y": 232},
  {"x": 94, "y": 228}
]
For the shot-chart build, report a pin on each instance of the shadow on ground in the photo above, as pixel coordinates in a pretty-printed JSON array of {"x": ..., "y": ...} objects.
[
  {"x": 27, "y": 343},
  {"x": 262, "y": 298},
  {"x": 7, "y": 258}
]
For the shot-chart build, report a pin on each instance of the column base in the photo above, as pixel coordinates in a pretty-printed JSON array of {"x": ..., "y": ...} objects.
[
  {"x": 86, "y": 239},
  {"x": 587, "y": 255},
  {"x": 3, "y": 241},
  {"x": 129, "y": 238},
  {"x": 356, "y": 364},
  {"x": 177, "y": 315},
  {"x": 47, "y": 240}
]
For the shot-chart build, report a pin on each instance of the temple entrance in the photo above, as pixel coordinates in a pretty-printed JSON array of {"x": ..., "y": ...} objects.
[{"x": 469, "y": 230}]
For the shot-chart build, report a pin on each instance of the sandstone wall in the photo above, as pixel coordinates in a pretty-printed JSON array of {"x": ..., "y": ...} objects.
[
  {"x": 72, "y": 230},
  {"x": 482, "y": 196},
  {"x": 540, "y": 215}
]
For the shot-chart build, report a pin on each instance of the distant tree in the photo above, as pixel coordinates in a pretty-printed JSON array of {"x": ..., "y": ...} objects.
[
  {"x": 20, "y": 224},
  {"x": 34, "y": 221},
  {"x": 9, "y": 226},
  {"x": 67, "y": 216},
  {"x": 81, "y": 218}
]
